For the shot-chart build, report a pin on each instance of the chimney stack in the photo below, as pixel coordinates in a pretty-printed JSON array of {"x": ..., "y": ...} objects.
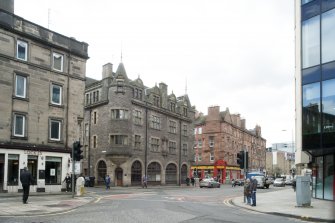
[
  {"x": 107, "y": 70},
  {"x": 7, "y": 5}
]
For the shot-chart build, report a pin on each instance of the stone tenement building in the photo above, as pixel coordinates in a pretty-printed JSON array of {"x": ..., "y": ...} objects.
[
  {"x": 279, "y": 163},
  {"x": 132, "y": 130},
  {"x": 219, "y": 136},
  {"x": 42, "y": 83}
]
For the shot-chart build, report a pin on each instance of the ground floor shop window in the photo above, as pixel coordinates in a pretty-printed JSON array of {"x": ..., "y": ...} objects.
[
  {"x": 53, "y": 170},
  {"x": 329, "y": 177},
  {"x": 319, "y": 178},
  {"x": 13, "y": 170}
]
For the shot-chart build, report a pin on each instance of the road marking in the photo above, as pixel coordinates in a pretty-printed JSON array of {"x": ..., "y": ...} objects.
[
  {"x": 97, "y": 200},
  {"x": 227, "y": 202}
]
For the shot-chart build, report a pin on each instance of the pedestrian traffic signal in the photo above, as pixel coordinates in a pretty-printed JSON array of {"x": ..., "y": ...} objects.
[
  {"x": 240, "y": 159},
  {"x": 77, "y": 151}
]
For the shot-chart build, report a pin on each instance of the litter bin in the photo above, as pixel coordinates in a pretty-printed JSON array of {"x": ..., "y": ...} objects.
[
  {"x": 91, "y": 182},
  {"x": 87, "y": 181},
  {"x": 303, "y": 191}
]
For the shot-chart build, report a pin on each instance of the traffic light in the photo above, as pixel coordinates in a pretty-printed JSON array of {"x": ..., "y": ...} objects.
[
  {"x": 77, "y": 151},
  {"x": 246, "y": 158},
  {"x": 240, "y": 159}
]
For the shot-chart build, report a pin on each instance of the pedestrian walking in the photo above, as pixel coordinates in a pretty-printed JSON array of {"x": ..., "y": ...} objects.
[
  {"x": 144, "y": 181},
  {"x": 67, "y": 181},
  {"x": 247, "y": 191},
  {"x": 192, "y": 181},
  {"x": 26, "y": 179},
  {"x": 108, "y": 182},
  {"x": 294, "y": 184},
  {"x": 233, "y": 183},
  {"x": 254, "y": 189}
]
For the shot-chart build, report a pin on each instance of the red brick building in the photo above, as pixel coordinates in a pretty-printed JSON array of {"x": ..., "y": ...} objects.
[{"x": 219, "y": 136}]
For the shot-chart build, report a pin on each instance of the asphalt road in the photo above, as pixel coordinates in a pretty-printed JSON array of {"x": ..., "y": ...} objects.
[{"x": 159, "y": 205}]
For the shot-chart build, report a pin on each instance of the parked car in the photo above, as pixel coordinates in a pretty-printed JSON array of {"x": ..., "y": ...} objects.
[
  {"x": 288, "y": 181},
  {"x": 262, "y": 182},
  {"x": 271, "y": 180},
  {"x": 209, "y": 183},
  {"x": 279, "y": 182}
]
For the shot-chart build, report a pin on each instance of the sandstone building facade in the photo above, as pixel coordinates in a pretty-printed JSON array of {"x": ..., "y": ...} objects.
[
  {"x": 219, "y": 136},
  {"x": 132, "y": 130},
  {"x": 42, "y": 83}
]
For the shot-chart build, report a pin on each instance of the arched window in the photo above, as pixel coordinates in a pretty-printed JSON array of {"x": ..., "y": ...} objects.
[
  {"x": 183, "y": 173},
  {"x": 154, "y": 173},
  {"x": 102, "y": 171},
  {"x": 136, "y": 173},
  {"x": 171, "y": 174}
]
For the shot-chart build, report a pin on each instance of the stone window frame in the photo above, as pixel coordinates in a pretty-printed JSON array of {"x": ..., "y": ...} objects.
[
  {"x": 60, "y": 126},
  {"x": 137, "y": 114},
  {"x": 55, "y": 58},
  {"x": 172, "y": 147},
  {"x": 154, "y": 144},
  {"x": 172, "y": 126},
  {"x": 52, "y": 85},
  {"x": 137, "y": 142},
  {"x": 155, "y": 122},
  {"x": 24, "y": 125},
  {"x": 20, "y": 44},
  {"x": 119, "y": 114},
  {"x": 119, "y": 140}
]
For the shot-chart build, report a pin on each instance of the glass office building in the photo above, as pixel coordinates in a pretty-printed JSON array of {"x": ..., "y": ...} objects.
[{"x": 315, "y": 91}]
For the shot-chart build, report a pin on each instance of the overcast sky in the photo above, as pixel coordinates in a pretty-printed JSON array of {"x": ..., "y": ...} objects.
[{"x": 235, "y": 54}]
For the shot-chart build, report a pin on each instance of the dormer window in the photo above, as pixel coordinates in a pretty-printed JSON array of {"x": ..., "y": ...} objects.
[
  {"x": 172, "y": 106},
  {"x": 137, "y": 93},
  {"x": 156, "y": 100},
  {"x": 185, "y": 111}
]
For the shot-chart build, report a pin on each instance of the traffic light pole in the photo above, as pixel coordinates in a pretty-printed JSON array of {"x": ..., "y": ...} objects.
[{"x": 72, "y": 175}]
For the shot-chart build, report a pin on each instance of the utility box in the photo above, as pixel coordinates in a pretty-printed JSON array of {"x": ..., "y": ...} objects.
[{"x": 303, "y": 191}]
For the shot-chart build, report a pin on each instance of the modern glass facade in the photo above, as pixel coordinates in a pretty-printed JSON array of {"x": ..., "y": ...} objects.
[{"x": 318, "y": 92}]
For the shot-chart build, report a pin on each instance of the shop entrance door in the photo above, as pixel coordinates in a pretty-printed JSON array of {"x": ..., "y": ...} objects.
[{"x": 32, "y": 167}]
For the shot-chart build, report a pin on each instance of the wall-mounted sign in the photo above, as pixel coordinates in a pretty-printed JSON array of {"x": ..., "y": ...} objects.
[
  {"x": 52, "y": 172},
  {"x": 33, "y": 152}
]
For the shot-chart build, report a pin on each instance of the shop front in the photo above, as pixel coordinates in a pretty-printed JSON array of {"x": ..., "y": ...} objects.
[
  {"x": 47, "y": 168},
  {"x": 219, "y": 170}
]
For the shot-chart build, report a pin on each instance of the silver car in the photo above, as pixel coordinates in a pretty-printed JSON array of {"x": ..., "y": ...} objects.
[
  {"x": 209, "y": 183},
  {"x": 279, "y": 182}
]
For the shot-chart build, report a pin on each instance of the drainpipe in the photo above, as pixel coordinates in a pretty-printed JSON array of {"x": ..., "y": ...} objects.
[
  {"x": 146, "y": 141},
  {"x": 67, "y": 102},
  {"x": 89, "y": 144},
  {"x": 180, "y": 152}
]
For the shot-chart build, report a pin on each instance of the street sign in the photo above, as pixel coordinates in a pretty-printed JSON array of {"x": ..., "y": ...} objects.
[{"x": 76, "y": 167}]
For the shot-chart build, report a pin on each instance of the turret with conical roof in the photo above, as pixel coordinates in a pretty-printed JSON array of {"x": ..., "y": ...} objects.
[{"x": 121, "y": 72}]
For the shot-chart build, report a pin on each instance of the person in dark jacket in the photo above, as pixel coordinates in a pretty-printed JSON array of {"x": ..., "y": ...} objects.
[
  {"x": 253, "y": 190},
  {"x": 26, "y": 179},
  {"x": 67, "y": 180}
]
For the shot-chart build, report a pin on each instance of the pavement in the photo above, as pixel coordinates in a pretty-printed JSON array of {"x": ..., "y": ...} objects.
[
  {"x": 283, "y": 202},
  {"x": 41, "y": 203},
  {"x": 280, "y": 202}
]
